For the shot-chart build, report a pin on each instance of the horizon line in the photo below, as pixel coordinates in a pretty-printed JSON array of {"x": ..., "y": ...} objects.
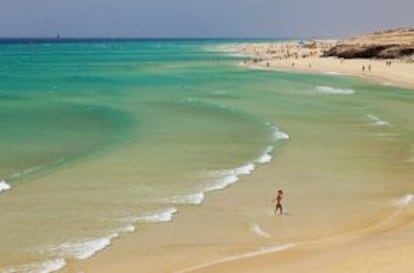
[{"x": 126, "y": 38}]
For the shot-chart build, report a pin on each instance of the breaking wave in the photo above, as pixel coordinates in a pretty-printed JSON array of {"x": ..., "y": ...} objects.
[
  {"x": 376, "y": 121},
  {"x": 45, "y": 267},
  {"x": 333, "y": 91},
  {"x": 4, "y": 186},
  {"x": 155, "y": 217},
  {"x": 193, "y": 199}
]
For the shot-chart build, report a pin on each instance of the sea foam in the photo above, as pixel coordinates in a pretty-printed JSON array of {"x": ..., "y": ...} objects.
[
  {"x": 266, "y": 156},
  {"x": 86, "y": 249},
  {"x": 45, "y": 267},
  {"x": 277, "y": 134},
  {"x": 193, "y": 199},
  {"x": 155, "y": 217},
  {"x": 333, "y": 91},
  {"x": 376, "y": 121},
  {"x": 405, "y": 200},
  {"x": 223, "y": 178},
  {"x": 258, "y": 231},
  {"x": 26, "y": 172},
  {"x": 4, "y": 186},
  {"x": 333, "y": 73},
  {"x": 221, "y": 183},
  {"x": 127, "y": 229}
]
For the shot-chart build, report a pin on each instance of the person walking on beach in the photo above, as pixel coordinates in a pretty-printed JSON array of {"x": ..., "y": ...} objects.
[{"x": 278, "y": 200}]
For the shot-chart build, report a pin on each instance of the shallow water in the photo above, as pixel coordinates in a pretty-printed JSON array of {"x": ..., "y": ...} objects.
[{"x": 101, "y": 138}]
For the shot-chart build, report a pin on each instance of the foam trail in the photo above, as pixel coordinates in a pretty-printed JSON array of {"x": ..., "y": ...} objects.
[
  {"x": 228, "y": 177},
  {"x": 4, "y": 186},
  {"x": 405, "y": 200},
  {"x": 401, "y": 204},
  {"x": 127, "y": 229},
  {"x": 334, "y": 73},
  {"x": 157, "y": 217},
  {"x": 25, "y": 172},
  {"x": 265, "y": 157},
  {"x": 266, "y": 250},
  {"x": 52, "y": 266},
  {"x": 277, "y": 134},
  {"x": 85, "y": 250},
  {"x": 46, "y": 267},
  {"x": 258, "y": 231},
  {"x": 222, "y": 183},
  {"x": 193, "y": 199},
  {"x": 377, "y": 121},
  {"x": 333, "y": 91},
  {"x": 243, "y": 170}
]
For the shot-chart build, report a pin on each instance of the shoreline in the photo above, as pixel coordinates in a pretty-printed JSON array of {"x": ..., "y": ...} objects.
[
  {"x": 290, "y": 57},
  {"x": 234, "y": 230},
  {"x": 198, "y": 254}
]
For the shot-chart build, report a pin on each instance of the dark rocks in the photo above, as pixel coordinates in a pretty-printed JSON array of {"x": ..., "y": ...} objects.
[
  {"x": 389, "y": 44},
  {"x": 352, "y": 51}
]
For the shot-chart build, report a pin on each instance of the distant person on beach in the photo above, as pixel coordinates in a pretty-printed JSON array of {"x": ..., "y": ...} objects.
[{"x": 278, "y": 200}]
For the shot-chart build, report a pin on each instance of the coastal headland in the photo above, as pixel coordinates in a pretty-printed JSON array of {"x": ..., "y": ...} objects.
[{"x": 386, "y": 57}]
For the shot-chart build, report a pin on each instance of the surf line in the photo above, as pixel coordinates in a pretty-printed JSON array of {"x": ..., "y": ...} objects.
[{"x": 4, "y": 186}]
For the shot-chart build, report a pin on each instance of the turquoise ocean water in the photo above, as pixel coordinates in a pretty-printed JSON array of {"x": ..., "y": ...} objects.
[{"x": 100, "y": 137}]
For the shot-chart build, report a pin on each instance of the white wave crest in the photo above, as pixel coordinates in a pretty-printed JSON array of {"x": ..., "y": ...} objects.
[
  {"x": 25, "y": 172},
  {"x": 127, "y": 229},
  {"x": 4, "y": 186},
  {"x": 334, "y": 73},
  {"x": 259, "y": 252},
  {"x": 46, "y": 267},
  {"x": 258, "y": 231},
  {"x": 242, "y": 170},
  {"x": 222, "y": 183},
  {"x": 224, "y": 178},
  {"x": 86, "y": 249},
  {"x": 266, "y": 156},
  {"x": 333, "y": 91},
  {"x": 156, "y": 217},
  {"x": 376, "y": 121},
  {"x": 405, "y": 200},
  {"x": 278, "y": 134},
  {"x": 194, "y": 199}
]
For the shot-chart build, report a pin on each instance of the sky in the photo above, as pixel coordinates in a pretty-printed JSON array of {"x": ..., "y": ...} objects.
[{"x": 201, "y": 18}]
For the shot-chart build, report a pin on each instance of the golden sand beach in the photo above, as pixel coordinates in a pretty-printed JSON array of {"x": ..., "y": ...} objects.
[
  {"x": 307, "y": 58},
  {"x": 385, "y": 246},
  {"x": 341, "y": 240}
]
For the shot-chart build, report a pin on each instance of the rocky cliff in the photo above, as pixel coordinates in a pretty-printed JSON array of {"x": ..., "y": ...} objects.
[{"x": 390, "y": 44}]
